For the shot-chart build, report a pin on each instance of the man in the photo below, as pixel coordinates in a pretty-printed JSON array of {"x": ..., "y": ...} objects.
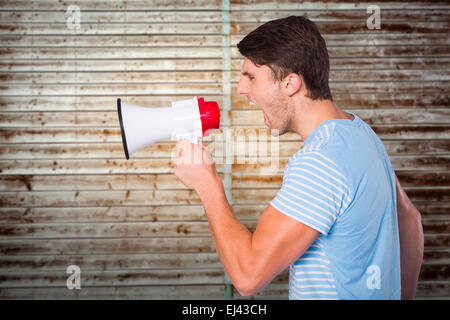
[{"x": 341, "y": 220}]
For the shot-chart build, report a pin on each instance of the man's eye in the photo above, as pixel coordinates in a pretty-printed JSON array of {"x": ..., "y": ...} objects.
[{"x": 251, "y": 78}]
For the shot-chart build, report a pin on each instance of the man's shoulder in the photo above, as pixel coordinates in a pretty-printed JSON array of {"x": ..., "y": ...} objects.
[{"x": 320, "y": 164}]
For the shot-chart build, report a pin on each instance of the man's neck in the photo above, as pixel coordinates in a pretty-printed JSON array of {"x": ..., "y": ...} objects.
[{"x": 311, "y": 113}]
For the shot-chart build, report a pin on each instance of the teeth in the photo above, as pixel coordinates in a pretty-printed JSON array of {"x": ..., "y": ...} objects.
[{"x": 252, "y": 103}]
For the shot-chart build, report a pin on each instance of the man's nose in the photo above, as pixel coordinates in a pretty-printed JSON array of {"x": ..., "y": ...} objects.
[{"x": 242, "y": 87}]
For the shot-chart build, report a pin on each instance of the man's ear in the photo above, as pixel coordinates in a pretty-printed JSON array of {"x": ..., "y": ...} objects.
[{"x": 292, "y": 84}]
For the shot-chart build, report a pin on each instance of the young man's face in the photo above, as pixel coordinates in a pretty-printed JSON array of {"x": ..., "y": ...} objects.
[{"x": 258, "y": 85}]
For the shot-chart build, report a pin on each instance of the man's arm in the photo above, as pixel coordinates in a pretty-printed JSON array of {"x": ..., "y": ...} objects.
[
  {"x": 253, "y": 260},
  {"x": 411, "y": 242}
]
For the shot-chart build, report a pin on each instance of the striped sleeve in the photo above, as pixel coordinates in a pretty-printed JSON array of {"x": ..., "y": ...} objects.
[{"x": 314, "y": 191}]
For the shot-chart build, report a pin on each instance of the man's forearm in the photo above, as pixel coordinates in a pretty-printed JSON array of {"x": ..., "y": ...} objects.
[
  {"x": 232, "y": 239},
  {"x": 411, "y": 246},
  {"x": 411, "y": 251}
]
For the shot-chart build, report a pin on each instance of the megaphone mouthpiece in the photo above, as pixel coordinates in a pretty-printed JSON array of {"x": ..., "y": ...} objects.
[{"x": 209, "y": 114}]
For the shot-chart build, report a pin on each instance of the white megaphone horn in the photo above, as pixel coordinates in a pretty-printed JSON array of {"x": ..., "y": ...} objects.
[{"x": 186, "y": 119}]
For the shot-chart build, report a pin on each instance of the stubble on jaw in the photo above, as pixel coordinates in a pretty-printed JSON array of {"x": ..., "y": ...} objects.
[{"x": 281, "y": 114}]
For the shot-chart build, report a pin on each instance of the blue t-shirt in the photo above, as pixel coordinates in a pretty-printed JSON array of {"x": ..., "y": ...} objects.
[{"x": 341, "y": 183}]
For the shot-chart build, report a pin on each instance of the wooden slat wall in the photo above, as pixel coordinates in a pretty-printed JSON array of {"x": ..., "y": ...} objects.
[{"x": 68, "y": 196}]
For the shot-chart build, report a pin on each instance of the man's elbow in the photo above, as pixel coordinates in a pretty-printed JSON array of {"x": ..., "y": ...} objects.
[
  {"x": 249, "y": 285},
  {"x": 247, "y": 288}
]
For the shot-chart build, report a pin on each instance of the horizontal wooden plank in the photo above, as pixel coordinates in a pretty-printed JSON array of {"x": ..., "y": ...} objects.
[
  {"x": 165, "y": 149},
  {"x": 43, "y": 247},
  {"x": 359, "y": 27},
  {"x": 155, "y": 64},
  {"x": 121, "y": 27},
  {"x": 106, "y": 230},
  {"x": 144, "y": 16},
  {"x": 100, "y": 150},
  {"x": 432, "y": 209},
  {"x": 123, "y": 89},
  {"x": 166, "y": 197},
  {"x": 428, "y": 209},
  {"x": 106, "y": 246},
  {"x": 170, "y": 181},
  {"x": 321, "y": 15},
  {"x": 398, "y": 163},
  {"x": 108, "y": 103},
  {"x": 238, "y": 118},
  {"x": 114, "y": 278},
  {"x": 250, "y": 117},
  {"x": 425, "y": 289},
  {"x": 435, "y": 272},
  {"x": 147, "y": 230},
  {"x": 54, "y": 5},
  {"x": 255, "y": 196},
  {"x": 90, "y": 182},
  {"x": 324, "y": 5},
  {"x": 347, "y": 52},
  {"x": 434, "y": 289},
  {"x": 120, "y": 40},
  {"x": 110, "y": 53},
  {"x": 156, "y": 150},
  {"x": 254, "y": 181},
  {"x": 121, "y": 213},
  {"x": 206, "y": 76},
  {"x": 107, "y": 198},
  {"x": 436, "y": 226},
  {"x": 80, "y": 214},
  {"x": 145, "y": 166},
  {"x": 337, "y": 76},
  {"x": 214, "y": 5},
  {"x": 404, "y": 147},
  {"x": 423, "y": 179},
  {"x": 91, "y": 103},
  {"x": 141, "y": 65},
  {"x": 436, "y": 256},
  {"x": 18, "y": 53},
  {"x": 110, "y": 262},
  {"x": 142, "y": 261},
  {"x": 112, "y": 77},
  {"x": 132, "y": 17},
  {"x": 351, "y": 100},
  {"x": 200, "y": 292},
  {"x": 436, "y": 241},
  {"x": 112, "y": 135},
  {"x": 157, "y": 277}
]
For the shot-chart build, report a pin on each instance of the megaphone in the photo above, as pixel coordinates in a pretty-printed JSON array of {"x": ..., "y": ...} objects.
[{"x": 187, "y": 119}]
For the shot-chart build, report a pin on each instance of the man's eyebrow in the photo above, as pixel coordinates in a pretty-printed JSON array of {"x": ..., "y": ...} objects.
[{"x": 246, "y": 73}]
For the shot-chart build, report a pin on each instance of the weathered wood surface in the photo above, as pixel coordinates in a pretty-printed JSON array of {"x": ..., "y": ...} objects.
[
  {"x": 347, "y": 101},
  {"x": 113, "y": 150},
  {"x": 67, "y": 196},
  {"x": 238, "y": 118}
]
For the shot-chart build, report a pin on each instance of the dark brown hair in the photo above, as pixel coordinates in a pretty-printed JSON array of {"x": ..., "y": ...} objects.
[{"x": 291, "y": 45}]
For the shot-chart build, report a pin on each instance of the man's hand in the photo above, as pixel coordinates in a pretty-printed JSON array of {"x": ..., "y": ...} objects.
[{"x": 195, "y": 166}]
